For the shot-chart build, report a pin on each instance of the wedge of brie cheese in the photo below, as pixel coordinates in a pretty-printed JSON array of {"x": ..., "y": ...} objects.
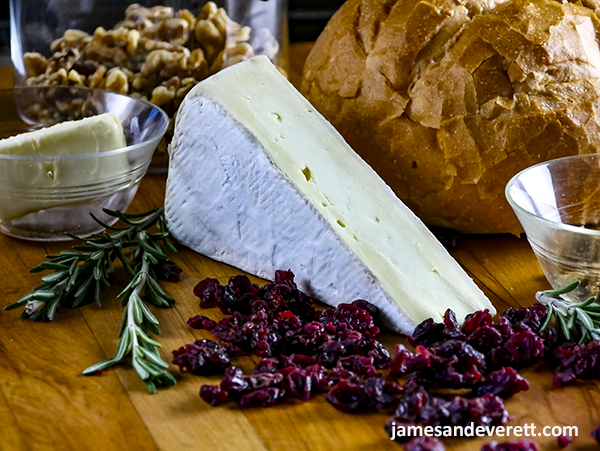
[
  {"x": 260, "y": 180},
  {"x": 59, "y": 163}
]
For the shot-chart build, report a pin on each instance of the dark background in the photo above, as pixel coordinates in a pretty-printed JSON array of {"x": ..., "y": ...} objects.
[{"x": 306, "y": 20}]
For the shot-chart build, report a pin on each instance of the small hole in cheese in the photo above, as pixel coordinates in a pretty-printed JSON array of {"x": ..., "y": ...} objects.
[
  {"x": 277, "y": 116},
  {"x": 341, "y": 223}
]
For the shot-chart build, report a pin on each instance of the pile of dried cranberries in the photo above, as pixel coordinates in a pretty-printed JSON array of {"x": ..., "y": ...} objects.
[{"x": 335, "y": 351}]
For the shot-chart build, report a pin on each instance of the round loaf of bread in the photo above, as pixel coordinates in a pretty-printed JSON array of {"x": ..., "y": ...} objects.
[{"x": 448, "y": 99}]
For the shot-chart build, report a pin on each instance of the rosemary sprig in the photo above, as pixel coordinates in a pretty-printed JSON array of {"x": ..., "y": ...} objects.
[
  {"x": 572, "y": 319},
  {"x": 80, "y": 273}
]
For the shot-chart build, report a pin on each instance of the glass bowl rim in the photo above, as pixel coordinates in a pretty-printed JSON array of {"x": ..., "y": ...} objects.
[
  {"x": 556, "y": 225},
  {"x": 131, "y": 148}
]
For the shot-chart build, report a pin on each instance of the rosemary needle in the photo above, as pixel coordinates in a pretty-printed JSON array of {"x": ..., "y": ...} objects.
[
  {"x": 575, "y": 320},
  {"x": 79, "y": 275}
]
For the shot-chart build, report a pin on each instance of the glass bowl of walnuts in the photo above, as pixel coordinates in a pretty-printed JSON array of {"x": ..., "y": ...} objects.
[{"x": 150, "y": 50}]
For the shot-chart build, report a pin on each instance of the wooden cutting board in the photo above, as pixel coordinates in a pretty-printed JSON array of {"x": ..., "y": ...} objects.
[{"x": 46, "y": 404}]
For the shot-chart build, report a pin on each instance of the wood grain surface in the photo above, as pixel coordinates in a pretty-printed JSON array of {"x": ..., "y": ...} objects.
[{"x": 47, "y": 404}]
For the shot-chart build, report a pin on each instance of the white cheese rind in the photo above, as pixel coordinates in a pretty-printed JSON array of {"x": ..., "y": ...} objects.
[{"x": 258, "y": 179}]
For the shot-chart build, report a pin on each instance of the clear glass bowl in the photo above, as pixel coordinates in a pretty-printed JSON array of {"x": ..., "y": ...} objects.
[
  {"x": 156, "y": 50},
  {"x": 558, "y": 205},
  {"x": 46, "y": 211}
]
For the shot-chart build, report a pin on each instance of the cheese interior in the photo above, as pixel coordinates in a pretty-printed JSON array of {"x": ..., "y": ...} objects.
[
  {"x": 401, "y": 253},
  {"x": 20, "y": 177},
  {"x": 89, "y": 135}
]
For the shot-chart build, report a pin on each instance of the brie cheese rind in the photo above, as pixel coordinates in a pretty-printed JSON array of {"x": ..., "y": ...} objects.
[{"x": 260, "y": 180}]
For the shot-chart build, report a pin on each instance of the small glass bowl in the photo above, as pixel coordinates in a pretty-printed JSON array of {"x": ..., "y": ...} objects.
[
  {"x": 558, "y": 205},
  {"x": 46, "y": 211}
]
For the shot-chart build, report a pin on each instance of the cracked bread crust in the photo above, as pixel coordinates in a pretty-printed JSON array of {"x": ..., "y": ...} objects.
[{"x": 447, "y": 100}]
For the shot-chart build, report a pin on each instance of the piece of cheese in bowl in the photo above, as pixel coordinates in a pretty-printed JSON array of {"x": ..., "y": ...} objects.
[
  {"x": 260, "y": 180},
  {"x": 91, "y": 154},
  {"x": 101, "y": 133}
]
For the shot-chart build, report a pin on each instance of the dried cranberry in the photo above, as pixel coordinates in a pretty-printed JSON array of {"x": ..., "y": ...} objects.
[
  {"x": 451, "y": 328},
  {"x": 238, "y": 295},
  {"x": 371, "y": 309},
  {"x": 266, "y": 365},
  {"x": 466, "y": 355},
  {"x": 485, "y": 338},
  {"x": 563, "y": 440},
  {"x": 334, "y": 376},
  {"x": 347, "y": 396},
  {"x": 286, "y": 322},
  {"x": 361, "y": 366},
  {"x": 381, "y": 394},
  {"x": 331, "y": 350},
  {"x": 202, "y": 357},
  {"x": 521, "y": 349},
  {"x": 410, "y": 404},
  {"x": 552, "y": 339},
  {"x": 427, "y": 333},
  {"x": 213, "y": 395},
  {"x": 264, "y": 397},
  {"x": 209, "y": 291},
  {"x": 259, "y": 305},
  {"x": 523, "y": 445},
  {"x": 576, "y": 362},
  {"x": 440, "y": 411},
  {"x": 170, "y": 273},
  {"x": 424, "y": 443},
  {"x": 323, "y": 316},
  {"x": 488, "y": 410},
  {"x": 262, "y": 380},
  {"x": 233, "y": 350},
  {"x": 531, "y": 317},
  {"x": 234, "y": 383},
  {"x": 285, "y": 278},
  {"x": 300, "y": 384},
  {"x": 563, "y": 377},
  {"x": 474, "y": 321},
  {"x": 375, "y": 349},
  {"x": 201, "y": 322},
  {"x": 504, "y": 327},
  {"x": 405, "y": 362},
  {"x": 299, "y": 361},
  {"x": 503, "y": 382},
  {"x": 302, "y": 305},
  {"x": 284, "y": 294},
  {"x": 318, "y": 375},
  {"x": 451, "y": 364},
  {"x": 230, "y": 329},
  {"x": 355, "y": 317}
]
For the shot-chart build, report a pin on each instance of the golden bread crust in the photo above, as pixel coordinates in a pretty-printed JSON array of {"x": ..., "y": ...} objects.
[{"x": 448, "y": 100}]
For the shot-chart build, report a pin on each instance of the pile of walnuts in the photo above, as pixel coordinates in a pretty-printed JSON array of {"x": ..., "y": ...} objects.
[{"x": 154, "y": 54}]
